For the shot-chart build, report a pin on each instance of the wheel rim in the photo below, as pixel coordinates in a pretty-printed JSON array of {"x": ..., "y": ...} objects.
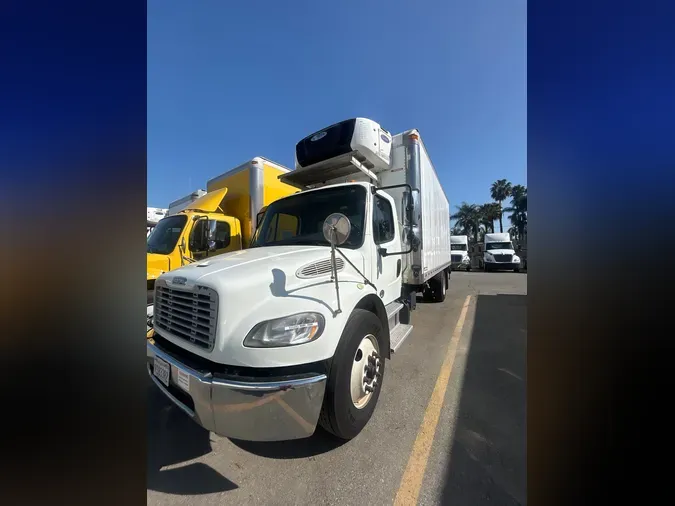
[{"x": 366, "y": 371}]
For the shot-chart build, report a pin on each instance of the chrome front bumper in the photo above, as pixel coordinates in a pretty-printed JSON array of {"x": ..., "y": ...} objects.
[{"x": 250, "y": 411}]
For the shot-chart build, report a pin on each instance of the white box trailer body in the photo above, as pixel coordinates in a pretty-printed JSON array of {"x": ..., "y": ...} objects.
[
  {"x": 432, "y": 225},
  {"x": 182, "y": 203},
  {"x": 297, "y": 315}
]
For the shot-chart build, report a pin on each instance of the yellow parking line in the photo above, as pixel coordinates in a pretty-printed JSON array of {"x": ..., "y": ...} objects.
[{"x": 411, "y": 483}]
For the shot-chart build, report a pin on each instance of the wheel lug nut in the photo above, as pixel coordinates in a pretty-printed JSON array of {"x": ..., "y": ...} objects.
[{"x": 368, "y": 389}]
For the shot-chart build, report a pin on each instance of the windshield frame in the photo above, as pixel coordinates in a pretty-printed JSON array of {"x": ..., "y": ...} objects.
[
  {"x": 161, "y": 225},
  {"x": 499, "y": 245},
  {"x": 271, "y": 210}
]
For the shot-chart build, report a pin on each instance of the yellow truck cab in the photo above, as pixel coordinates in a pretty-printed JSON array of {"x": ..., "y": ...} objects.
[{"x": 222, "y": 220}]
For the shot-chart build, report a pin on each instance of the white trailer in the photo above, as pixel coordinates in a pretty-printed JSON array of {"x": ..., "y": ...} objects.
[
  {"x": 154, "y": 215},
  {"x": 499, "y": 253},
  {"x": 459, "y": 245},
  {"x": 262, "y": 344}
]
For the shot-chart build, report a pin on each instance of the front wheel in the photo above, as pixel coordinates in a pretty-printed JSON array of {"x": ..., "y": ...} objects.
[
  {"x": 356, "y": 376},
  {"x": 517, "y": 269}
]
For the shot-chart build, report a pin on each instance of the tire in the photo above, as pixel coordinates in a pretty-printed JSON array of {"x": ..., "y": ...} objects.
[
  {"x": 340, "y": 415},
  {"x": 438, "y": 286},
  {"x": 516, "y": 270},
  {"x": 468, "y": 268}
]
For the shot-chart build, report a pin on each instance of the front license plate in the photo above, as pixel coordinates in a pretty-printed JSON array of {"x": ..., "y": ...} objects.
[{"x": 162, "y": 370}]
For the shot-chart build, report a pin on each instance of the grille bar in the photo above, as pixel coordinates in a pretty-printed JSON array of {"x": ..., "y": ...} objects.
[
  {"x": 187, "y": 314},
  {"x": 503, "y": 258}
]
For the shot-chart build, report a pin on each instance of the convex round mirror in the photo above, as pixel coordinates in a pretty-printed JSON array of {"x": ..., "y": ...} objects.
[{"x": 336, "y": 229}]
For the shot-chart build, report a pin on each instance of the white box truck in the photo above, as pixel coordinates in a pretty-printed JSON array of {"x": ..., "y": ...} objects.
[
  {"x": 499, "y": 253},
  {"x": 263, "y": 344},
  {"x": 459, "y": 245}
]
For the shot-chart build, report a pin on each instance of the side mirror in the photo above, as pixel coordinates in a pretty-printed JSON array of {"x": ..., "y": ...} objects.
[
  {"x": 336, "y": 229},
  {"x": 211, "y": 235},
  {"x": 382, "y": 251}
]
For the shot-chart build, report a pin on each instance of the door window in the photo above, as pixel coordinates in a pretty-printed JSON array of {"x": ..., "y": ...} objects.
[{"x": 383, "y": 220}]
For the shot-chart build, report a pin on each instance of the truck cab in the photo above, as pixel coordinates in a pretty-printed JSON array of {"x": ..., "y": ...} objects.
[
  {"x": 459, "y": 246},
  {"x": 499, "y": 253},
  {"x": 196, "y": 232},
  {"x": 265, "y": 343}
]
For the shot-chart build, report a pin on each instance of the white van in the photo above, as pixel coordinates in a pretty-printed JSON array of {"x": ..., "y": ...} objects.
[
  {"x": 499, "y": 253},
  {"x": 459, "y": 246}
]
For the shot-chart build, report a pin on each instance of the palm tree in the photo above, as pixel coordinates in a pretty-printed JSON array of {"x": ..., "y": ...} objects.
[
  {"x": 457, "y": 230},
  {"x": 518, "y": 209},
  {"x": 489, "y": 213},
  {"x": 500, "y": 191},
  {"x": 468, "y": 218}
]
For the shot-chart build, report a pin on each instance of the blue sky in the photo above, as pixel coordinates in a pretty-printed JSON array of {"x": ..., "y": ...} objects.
[{"x": 228, "y": 81}]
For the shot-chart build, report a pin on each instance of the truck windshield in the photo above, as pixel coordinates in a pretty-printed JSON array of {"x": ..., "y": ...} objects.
[
  {"x": 498, "y": 245},
  {"x": 299, "y": 219},
  {"x": 164, "y": 236},
  {"x": 458, "y": 247}
]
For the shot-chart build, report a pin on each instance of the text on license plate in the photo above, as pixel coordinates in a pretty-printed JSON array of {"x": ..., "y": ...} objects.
[{"x": 162, "y": 370}]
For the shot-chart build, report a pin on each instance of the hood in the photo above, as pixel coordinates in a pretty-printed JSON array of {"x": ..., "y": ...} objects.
[
  {"x": 209, "y": 203},
  {"x": 260, "y": 265},
  {"x": 501, "y": 252},
  {"x": 261, "y": 284},
  {"x": 157, "y": 265}
]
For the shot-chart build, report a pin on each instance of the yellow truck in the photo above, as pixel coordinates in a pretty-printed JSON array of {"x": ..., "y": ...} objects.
[{"x": 222, "y": 220}]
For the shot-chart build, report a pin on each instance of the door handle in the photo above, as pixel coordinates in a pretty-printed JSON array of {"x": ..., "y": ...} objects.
[{"x": 398, "y": 268}]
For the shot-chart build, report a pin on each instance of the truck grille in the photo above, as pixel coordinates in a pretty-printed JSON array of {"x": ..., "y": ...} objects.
[
  {"x": 187, "y": 314},
  {"x": 503, "y": 258},
  {"x": 456, "y": 258}
]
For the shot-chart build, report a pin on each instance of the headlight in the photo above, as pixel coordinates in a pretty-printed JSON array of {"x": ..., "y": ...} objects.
[
  {"x": 488, "y": 255},
  {"x": 295, "y": 329},
  {"x": 516, "y": 259}
]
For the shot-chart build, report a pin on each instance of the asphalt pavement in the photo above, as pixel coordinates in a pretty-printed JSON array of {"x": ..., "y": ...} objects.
[{"x": 449, "y": 427}]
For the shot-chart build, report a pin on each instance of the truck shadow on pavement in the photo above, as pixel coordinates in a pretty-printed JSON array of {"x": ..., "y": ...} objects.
[
  {"x": 488, "y": 452},
  {"x": 320, "y": 442},
  {"x": 172, "y": 439}
]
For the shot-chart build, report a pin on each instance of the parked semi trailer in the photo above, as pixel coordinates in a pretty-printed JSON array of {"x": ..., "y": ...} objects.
[
  {"x": 154, "y": 215},
  {"x": 459, "y": 245},
  {"x": 265, "y": 343},
  {"x": 499, "y": 253}
]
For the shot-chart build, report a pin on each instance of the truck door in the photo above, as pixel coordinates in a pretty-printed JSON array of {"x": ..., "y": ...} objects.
[
  {"x": 387, "y": 269},
  {"x": 227, "y": 237}
]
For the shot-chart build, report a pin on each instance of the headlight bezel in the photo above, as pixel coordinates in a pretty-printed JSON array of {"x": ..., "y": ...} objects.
[{"x": 252, "y": 339}]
